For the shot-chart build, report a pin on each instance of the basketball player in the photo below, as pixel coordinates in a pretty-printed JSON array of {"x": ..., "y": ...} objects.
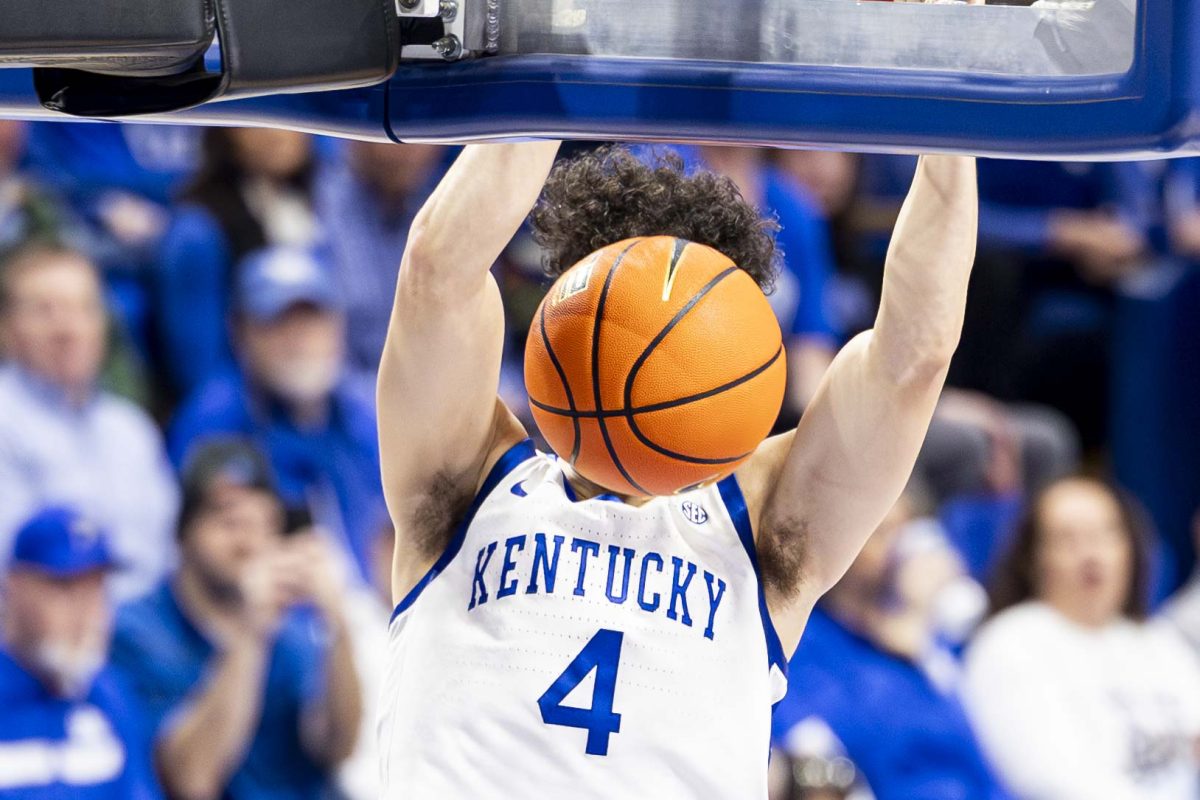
[{"x": 553, "y": 640}]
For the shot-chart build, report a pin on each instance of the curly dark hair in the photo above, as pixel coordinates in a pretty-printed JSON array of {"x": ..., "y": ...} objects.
[{"x": 609, "y": 194}]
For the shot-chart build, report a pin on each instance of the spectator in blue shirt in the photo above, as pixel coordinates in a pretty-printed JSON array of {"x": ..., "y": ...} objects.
[
  {"x": 290, "y": 394},
  {"x": 68, "y": 724},
  {"x": 801, "y": 295},
  {"x": 243, "y": 656},
  {"x": 873, "y": 668},
  {"x": 117, "y": 181},
  {"x": 1056, "y": 240},
  {"x": 63, "y": 439},
  {"x": 254, "y": 188},
  {"x": 366, "y": 205}
]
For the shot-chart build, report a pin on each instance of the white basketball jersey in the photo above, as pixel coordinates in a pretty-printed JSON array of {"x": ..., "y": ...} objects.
[{"x": 583, "y": 649}]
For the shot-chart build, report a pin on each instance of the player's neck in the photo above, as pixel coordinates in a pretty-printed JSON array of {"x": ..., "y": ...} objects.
[{"x": 586, "y": 490}]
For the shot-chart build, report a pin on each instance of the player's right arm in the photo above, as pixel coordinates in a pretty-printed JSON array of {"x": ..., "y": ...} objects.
[{"x": 440, "y": 422}]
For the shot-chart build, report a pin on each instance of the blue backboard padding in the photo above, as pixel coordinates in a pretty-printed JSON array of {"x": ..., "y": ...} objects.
[{"x": 1148, "y": 111}]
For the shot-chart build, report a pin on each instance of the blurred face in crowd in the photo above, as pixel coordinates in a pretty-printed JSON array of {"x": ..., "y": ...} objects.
[
  {"x": 829, "y": 176},
  {"x": 395, "y": 170},
  {"x": 58, "y": 627},
  {"x": 298, "y": 355},
  {"x": 12, "y": 144},
  {"x": 271, "y": 152},
  {"x": 234, "y": 526},
  {"x": 54, "y": 322},
  {"x": 1084, "y": 553}
]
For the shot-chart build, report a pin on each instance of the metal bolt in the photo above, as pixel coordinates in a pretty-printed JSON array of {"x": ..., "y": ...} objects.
[
  {"x": 408, "y": 5},
  {"x": 448, "y": 47},
  {"x": 448, "y": 10}
]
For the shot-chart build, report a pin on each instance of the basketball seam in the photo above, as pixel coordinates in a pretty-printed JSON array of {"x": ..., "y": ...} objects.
[
  {"x": 612, "y": 451},
  {"x": 641, "y": 361},
  {"x": 666, "y": 405},
  {"x": 562, "y": 376}
]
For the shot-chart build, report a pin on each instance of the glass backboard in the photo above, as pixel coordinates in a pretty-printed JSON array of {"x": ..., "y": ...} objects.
[{"x": 1046, "y": 38}]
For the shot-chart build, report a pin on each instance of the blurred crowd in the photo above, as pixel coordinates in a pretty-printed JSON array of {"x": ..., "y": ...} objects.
[{"x": 195, "y": 554}]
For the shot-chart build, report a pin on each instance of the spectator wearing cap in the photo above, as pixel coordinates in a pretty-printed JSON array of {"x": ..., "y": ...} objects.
[
  {"x": 291, "y": 395},
  {"x": 70, "y": 727},
  {"x": 242, "y": 656},
  {"x": 63, "y": 439}
]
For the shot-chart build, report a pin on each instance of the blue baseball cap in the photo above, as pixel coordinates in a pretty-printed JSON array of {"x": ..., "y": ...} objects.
[
  {"x": 60, "y": 541},
  {"x": 273, "y": 279}
]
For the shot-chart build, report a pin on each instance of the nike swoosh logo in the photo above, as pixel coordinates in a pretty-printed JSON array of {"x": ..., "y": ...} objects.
[{"x": 519, "y": 490}]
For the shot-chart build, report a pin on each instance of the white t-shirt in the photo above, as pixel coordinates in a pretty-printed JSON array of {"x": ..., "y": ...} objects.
[
  {"x": 1073, "y": 713},
  {"x": 1183, "y": 612}
]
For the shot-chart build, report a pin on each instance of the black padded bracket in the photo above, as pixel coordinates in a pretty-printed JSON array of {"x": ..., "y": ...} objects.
[{"x": 267, "y": 47}]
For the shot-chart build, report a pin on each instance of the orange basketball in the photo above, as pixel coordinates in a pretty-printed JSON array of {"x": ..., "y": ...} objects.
[{"x": 655, "y": 365}]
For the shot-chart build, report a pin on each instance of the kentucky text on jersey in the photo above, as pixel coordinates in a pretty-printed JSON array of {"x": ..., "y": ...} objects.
[{"x": 550, "y": 564}]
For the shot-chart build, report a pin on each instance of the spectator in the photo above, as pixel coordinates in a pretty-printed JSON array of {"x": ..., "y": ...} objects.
[
  {"x": 977, "y": 445},
  {"x": 836, "y": 181},
  {"x": 116, "y": 182},
  {"x": 70, "y": 727},
  {"x": 800, "y": 298},
  {"x": 242, "y": 656},
  {"x": 367, "y": 205},
  {"x": 26, "y": 213},
  {"x": 1074, "y": 695},
  {"x": 254, "y": 188},
  {"x": 1055, "y": 240},
  {"x": 873, "y": 668},
  {"x": 368, "y": 613},
  {"x": 289, "y": 393},
  {"x": 64, "y": 440}
]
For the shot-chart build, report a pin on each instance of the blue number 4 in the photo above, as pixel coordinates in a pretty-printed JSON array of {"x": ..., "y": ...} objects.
[{"x": 601, "y": 653}]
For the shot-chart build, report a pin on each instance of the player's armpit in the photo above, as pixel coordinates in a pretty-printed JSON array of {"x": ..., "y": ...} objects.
[{"x": 817, "y": 494}]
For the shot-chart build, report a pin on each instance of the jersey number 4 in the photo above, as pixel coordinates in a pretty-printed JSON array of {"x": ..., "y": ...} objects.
[{"x": 601, "y": 653}]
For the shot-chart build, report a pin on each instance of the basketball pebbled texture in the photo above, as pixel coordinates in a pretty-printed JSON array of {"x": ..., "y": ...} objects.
[{"x": 655, "y": 365}]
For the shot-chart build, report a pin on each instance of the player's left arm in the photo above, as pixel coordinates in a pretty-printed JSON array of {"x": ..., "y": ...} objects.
[{"x": 816, "y": 494}]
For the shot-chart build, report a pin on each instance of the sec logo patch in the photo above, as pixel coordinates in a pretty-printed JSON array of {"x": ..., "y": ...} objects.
[{"x": 694, "y": 512}]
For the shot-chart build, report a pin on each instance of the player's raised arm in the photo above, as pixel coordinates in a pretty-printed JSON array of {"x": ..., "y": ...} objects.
[
  {"x": 820, "y": 494},
  {"x": 439, "y": 418}
]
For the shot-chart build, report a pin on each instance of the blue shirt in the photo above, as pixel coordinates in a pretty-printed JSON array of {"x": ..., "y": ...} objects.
[
  {"x": 192, "y": 296},
  {"x": 106, "y": 458},
  {"x": 332, "y": 470},
  {"x": 801, "y": 291},
  {"x": 366, "y": 240},
  {"x": 1018, "y": 198},
  {"x": 167, "y": 659},
  {"x": 910, "y": 741},
  {"x": 85, "y": 159},
  {"x": 95, "y": 748}
]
